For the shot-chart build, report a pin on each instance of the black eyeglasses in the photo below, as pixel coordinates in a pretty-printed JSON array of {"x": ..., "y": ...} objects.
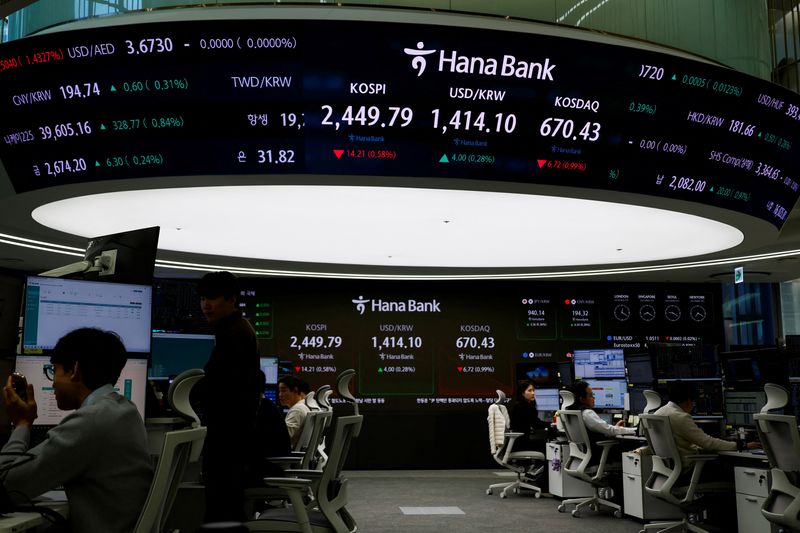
[{"x": 49, "y": 371}]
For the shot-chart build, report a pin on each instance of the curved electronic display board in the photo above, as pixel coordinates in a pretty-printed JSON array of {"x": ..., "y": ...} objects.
[{"x": 285, "y": 97}]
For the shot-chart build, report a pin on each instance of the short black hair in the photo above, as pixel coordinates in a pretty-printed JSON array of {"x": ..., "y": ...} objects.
[
  {"x": 680, "y": 391},
  {"x": 216, "y": 284},
  {"x": 101, "y": 354},
  {"x": 294, "y": 383},
  {"x": 579, "y": 390}
]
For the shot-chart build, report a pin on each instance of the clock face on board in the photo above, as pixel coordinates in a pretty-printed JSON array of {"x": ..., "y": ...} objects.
[
  {"x": 622, "y": 312},
  {"x": 647, "y": 312},
  {"x": 698, "y": 313},
  {"x": 672, "y": 313}
]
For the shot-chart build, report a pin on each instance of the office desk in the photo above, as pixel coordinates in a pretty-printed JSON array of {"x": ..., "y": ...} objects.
[
  {"x": 751, "y": 478},
  {"x": 19, "y": 522}
]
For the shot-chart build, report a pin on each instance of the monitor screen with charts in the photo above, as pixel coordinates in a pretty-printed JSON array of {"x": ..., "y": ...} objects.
[
  {"x": 547, "y": 399},
  {"x": 608, "y": 393},
  {"x": 131, "y": 384},
  {"x": 601, "y": 363},
  {"x": 56, "y": 306}
]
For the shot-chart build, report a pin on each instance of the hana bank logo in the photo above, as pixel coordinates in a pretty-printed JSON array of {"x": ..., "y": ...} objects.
[
  {"x": 419, "y": 62},
  {"x": 361, "y": 302}
]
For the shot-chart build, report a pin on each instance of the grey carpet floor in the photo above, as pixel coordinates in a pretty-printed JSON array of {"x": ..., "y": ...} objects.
[{"x": 376, "y": 498}]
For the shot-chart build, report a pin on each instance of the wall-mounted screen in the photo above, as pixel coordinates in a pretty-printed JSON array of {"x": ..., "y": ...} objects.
[
  {"x": 600, "y": 363},
  {"x": 541, "y": 374},
  {"x": 306, "y": 97},
  {"x": 56, "y": 306},
  {"x": 131, "y": 384},
  {"x": 608, "y": 393}
]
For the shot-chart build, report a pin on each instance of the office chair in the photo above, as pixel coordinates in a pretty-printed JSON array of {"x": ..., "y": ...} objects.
[
  {"x": 178, "y": 395},
  {"x": 781, "y": 440},
  {"x": 327, "y": 512},
  {"x": 582, "y": 465},
  {"x": 501, "y": 441},
  {"x": 664, "y": 480},
  {"x": 180, "y": 447}
]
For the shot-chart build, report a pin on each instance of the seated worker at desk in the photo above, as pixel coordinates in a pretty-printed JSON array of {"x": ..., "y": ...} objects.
[
  {"x": 98, "y": 452},
  {"x": 292, "y": 393},
  {"x": 689, "y": 438},
  {"x": 525, "y": 419},
  {"x": 584, "y": 401}
]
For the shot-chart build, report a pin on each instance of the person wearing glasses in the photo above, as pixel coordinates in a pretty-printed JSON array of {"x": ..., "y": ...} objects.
[{"x": 98, "y": 453}]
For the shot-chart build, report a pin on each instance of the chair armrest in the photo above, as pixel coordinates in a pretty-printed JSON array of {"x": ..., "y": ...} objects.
[
  {"x": 286, "y": 461},
  {"x": 608, "y": 443},
  {"x": 297, "y": 454},
  {"x": 513, "y": 434},
  {"x": 702, "y": 457},
  {"x": 287, "y": 482},
  {"x": 307, "y": 474}
]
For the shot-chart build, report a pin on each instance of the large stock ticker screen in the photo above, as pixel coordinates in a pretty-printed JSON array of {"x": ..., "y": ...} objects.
[{"x": 284, "y": 97}]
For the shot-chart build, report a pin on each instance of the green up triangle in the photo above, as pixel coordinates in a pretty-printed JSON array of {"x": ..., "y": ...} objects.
[
  {"x": 113, "y": 89},
  {"x": 444, "y": 159},
  {"x": 102, "y": 126},
  {"x": 712, "y": 189},
  {"x": 97, "y": 163},
  {"x": 674, "y": 77},
  {"x": 380, "y": 369},
  {"x": 759, "y": 135}
]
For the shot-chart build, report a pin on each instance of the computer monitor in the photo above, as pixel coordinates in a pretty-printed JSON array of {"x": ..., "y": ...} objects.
[
  {"x": 639, "y": 369},
  {"x": 547, "y": 400},
  {"x": 269, "y": 365},
  {"x": 56, "y": 306},
  {"x": 709, "y": 396},
  {"x": 752, "y": 369},
  {"x": 608, "y": 393},
  {"x": 673, "y": 360},
  {"x": 134, "y": 255},
  {"x": 172, "y": 353},
  {"x": 600, "y": 363},
  {"x": 541, "y": 374},
  {"x": 565, "y": 371},
  {"x": 131, "y": 384},
  {"x": 636, "y": 399}
]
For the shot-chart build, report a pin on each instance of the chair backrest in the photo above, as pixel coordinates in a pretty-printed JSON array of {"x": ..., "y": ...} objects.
[
  {"x": 323, "y": 396},
  {"x": 667, "y": 463},
  {"x": 343, "y": 387},
  {"x": 311, "y": 401},
  {"x": 178, "y": 395},
  {"x": 653, "y": 400},
  {"x": 781, "y": 440},
  {"x": 580, "y": 447},
  {"x": 777, "y": 397},
  {"x": 332, "y": 491},
  {"x": 313, "y": 428},
  {"x": 499, "y": 422},
  {"x": 177, "y": 451}
]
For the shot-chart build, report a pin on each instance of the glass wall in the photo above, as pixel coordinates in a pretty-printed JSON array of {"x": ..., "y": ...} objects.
[
  {"x": 784, "y": 17},
  {"x": 748, "y": 311}
]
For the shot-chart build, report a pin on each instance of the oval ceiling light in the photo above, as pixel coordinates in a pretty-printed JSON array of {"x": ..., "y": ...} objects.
[{"x": 394, "y": 226}]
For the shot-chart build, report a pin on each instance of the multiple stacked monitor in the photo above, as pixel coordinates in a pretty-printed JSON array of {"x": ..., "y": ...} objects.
[{"x": 728, "y": 385}]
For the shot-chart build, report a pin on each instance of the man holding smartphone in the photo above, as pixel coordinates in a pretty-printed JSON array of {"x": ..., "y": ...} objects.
[{"x": 98, "y": 453}]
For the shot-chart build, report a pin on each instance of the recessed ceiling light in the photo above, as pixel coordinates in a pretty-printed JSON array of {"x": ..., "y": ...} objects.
[{"x": 350, "y": 225}]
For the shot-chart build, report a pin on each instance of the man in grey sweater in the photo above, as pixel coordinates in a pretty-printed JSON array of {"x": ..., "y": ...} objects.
[{"x": 98, "y": 452}]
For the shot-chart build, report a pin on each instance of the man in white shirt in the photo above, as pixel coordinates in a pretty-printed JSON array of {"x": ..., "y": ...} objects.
[
  {"x": 584, "y": 398},
  {"x": 292, "y": 393}
]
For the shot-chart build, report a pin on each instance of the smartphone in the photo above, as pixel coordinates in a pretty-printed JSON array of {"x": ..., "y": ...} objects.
[{"x": 20, "y": 384}]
